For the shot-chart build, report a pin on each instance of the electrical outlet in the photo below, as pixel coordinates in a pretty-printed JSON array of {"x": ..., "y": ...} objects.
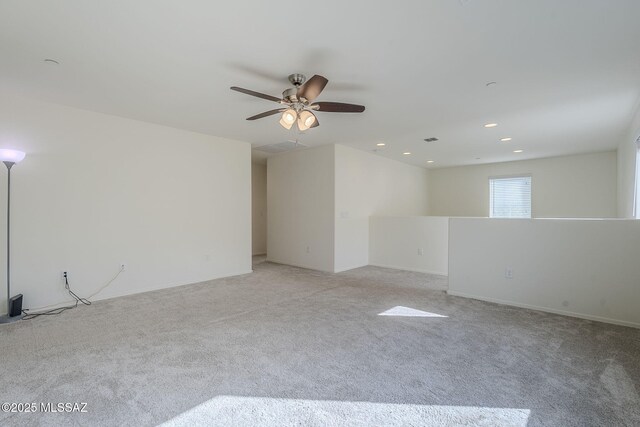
[
  {"x": 420, "y": 251},
  {"x": 508, "y": 273},
  {"x": 65, "y": 274}
]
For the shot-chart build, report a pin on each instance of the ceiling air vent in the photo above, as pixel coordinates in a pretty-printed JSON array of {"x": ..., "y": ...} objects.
[
  {"x": 280, "y": 147},
  {"x": 432, "y": 139}
]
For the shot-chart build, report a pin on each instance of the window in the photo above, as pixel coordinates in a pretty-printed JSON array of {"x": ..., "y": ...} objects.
[{"x": 510, "y": 197}]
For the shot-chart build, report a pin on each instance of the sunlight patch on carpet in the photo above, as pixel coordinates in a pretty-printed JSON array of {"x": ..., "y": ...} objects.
[
  {"x": 408, "y": 312},
  {"x": 266, "y": 411}
]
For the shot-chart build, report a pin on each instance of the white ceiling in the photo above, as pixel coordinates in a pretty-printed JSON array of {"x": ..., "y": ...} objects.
[{"x": 567, "y": 71}]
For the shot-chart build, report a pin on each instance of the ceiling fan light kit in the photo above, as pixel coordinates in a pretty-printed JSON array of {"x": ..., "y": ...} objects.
[
  {"x": 306, "y": 119},
  {"x": 285, "y": 124},
  {"x": 298, "y": 102},
  {"x": 289, "y": 117}
]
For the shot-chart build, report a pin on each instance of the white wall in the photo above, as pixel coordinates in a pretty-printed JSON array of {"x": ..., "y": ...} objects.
[
  {"x": 627, "y": 155},
  {"x": 321, "y": 198},
  {"x": 97, "y": 190},
  {"x": 366, "y": 185},
  {"x": 584, "y": 268},
  {"x": 414, "y": 243},
  {"x": 580, "y": 186},
  {"x": 259, "y": 208},
  {"x": 300, "y": 205}
]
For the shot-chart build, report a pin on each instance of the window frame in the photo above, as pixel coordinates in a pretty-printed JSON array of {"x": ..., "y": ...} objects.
[{"x": 516, "y": 175}]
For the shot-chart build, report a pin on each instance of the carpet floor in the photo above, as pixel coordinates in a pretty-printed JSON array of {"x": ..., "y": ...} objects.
[{"x": 289, "y": 346}]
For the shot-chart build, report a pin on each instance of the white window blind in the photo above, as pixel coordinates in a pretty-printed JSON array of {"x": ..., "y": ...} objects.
[{"x": 510, "y": 197}]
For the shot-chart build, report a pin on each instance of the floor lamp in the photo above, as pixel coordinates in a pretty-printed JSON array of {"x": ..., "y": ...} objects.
[{"x": 9, "y": 158}]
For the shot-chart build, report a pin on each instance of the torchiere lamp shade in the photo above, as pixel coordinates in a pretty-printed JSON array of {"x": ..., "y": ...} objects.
[{"x": 13, "y": 156}]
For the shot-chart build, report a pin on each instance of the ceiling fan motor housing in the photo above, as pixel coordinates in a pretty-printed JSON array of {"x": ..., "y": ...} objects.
[{"x": 297, "y": 79}]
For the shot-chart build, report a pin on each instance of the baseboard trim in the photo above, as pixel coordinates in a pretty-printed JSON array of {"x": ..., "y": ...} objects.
[
  {"x": 153, "y": 289},
  {"x": 350, "y": 268},
  {"x": 548, "y": 310},
  {"x": 306, "y": 267},
  {"x": 138, "y": 292},
  {"x": 416, "y": 270}
]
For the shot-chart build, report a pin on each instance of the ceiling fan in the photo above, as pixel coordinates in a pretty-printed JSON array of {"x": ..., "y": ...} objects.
[{"x": 298, "y": 105}]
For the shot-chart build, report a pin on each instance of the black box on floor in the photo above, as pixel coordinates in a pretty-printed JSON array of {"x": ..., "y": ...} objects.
[{"x": 15, "y": 306}]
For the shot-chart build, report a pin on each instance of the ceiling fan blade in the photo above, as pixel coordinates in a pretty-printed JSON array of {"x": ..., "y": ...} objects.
[
  {"x": 253, "y": 93},
  {"x": 337, "y": 107},
  {"x": 266, "y": 114},
  {"x": 312, "y": 88}
]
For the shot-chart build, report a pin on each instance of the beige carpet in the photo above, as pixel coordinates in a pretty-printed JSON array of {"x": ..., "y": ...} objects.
[{"x": 288, "y": 346}]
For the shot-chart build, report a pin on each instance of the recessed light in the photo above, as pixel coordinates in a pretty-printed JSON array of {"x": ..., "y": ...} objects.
[
  {"x": 518, "y": 151},
  {"x": 430, "y": 161},
  {"x": 381, "y": 144},
  {"x": 491, "y": 84},
  {"x": 507, "y": 139},
  {"x": 51, "y": 61},
  {"x": 406, "y": 153},
  {"x": 432, "y": 139},
  {"x": 491, "y": 125}
]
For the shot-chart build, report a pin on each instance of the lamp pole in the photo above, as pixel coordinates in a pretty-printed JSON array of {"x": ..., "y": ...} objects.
[
  {"x": 8, "y": 165},
  {"x": 10, "y": 158}
]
